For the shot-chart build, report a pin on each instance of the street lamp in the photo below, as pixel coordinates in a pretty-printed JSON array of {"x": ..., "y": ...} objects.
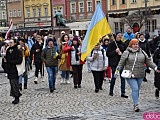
[
  {"x": 51, "y": 6},
  {"x": 146, "y": 15}
]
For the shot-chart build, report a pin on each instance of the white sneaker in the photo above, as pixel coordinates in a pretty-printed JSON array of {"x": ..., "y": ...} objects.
[
  {"x": 67, "y": 81},
  {"x": 35, "y": 80},
  {"x": 6, "y": 75},
  {"x": 62, "y": 81}
]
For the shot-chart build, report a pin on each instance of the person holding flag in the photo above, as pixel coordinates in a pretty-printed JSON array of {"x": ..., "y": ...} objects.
[{"x": 114, "y": 52}]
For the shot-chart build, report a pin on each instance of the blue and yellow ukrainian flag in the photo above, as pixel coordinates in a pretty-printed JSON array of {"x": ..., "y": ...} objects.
[{"x": 98, "y": 28}]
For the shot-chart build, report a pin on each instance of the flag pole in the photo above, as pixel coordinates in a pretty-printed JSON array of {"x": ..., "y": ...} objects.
[{"x": 114, "y": 40}]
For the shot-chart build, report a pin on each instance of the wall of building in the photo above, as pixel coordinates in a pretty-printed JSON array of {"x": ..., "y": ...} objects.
[{"x": 18, "y": 19}]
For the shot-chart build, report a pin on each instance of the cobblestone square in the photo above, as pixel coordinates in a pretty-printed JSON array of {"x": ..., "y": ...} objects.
[{"x": 67, "y": 103}]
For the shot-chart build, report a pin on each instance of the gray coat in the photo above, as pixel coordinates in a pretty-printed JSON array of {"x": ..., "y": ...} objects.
[{"x": 127, "y": 61}]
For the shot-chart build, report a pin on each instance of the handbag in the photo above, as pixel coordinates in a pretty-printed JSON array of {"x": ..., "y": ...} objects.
[
  {"x": 128, "y": 73},
  {"x": 21, "y": 67}
]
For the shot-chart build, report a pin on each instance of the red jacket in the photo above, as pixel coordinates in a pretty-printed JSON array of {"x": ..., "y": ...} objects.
[{"x": 67, "y": 49}]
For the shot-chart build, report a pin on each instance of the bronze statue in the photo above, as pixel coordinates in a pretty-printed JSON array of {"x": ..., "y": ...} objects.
[{"x": 60, "y": 21}]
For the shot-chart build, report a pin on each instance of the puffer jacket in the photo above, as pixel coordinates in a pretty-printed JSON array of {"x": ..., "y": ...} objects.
[
  {"x": 47, "y": 56},
  {"x": 128, "y": 58},
  {"x": 100, "y": 62}
]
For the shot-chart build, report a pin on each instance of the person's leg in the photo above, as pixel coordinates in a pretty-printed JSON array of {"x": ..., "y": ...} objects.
[
  {"x": 54, "y": 70},
  {"x": 139, "y": 81},
  {"x": 75, "y": 81},
  {"x": 112, "y": 81},
  {"x": 36, "y": 72},
  {"x": 101, "y": 79},
  {"x": 133, "y": 83},
  {"x": 15, "y": 90},
  {"x": 25, "y": 79},
  {"x": 20, "y": 82},
  {"x": 50, "y": 78},
  {"x": 123, "y": 81},
  {"x": 63, "y": 73},
  {"x": 80, "y": 67},
  {"x": 40, "y": 68},
  {"x": 67, "y": 76},
  {"x": 96, "y": 82}
]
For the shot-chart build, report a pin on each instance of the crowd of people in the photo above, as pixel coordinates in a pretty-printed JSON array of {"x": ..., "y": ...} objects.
[{"x": 109, "y": 58}]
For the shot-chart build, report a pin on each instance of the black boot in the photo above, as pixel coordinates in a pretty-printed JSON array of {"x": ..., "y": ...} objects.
[
  {"x": 124, "y": 95},
  {"x": 157, "y": 93},
  {"x": 144, "y": 79},
  {"x": 16, "y": 101},
  {"x": 20, "y": 87},
  {"x": 25, "y": 86}
]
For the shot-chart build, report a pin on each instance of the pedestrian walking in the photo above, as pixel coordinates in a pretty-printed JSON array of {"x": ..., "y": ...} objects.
[
  {"x": 25, "y": 51},
  {"x": 13, "y": 57},
  {"x": 156, "y": 60},
  {"x": 114, "y": 52},
  {"x": 133, "y": 59},
  {"x": 36, "y": 50},
  {"x": 76, "y": 63},
  {"x": 50, "y": 56},
  {"x": 64, "y": 64},
  {"x": 99, "y": 62},
  {"x": 3, "y": 54}
]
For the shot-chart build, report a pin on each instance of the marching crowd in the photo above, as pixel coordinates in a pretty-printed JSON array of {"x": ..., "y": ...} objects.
[{"x": 110, "y": 57}]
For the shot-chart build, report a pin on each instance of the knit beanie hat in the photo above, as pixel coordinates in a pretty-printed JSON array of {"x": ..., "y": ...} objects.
[
  {"x": 133, "y": 41},
  {"x": 49, "y": 39},
  {"x": 118, "y": 33},
  {"x": 75, "y": 38}
]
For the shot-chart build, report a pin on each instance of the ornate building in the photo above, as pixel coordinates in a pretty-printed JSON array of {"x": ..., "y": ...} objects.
[
  {"x": 120, "y": 9},
  {"x": 15, "y": 12},
  {"x": 37, "y": 14},
  {"x": 79, "y": 14}
]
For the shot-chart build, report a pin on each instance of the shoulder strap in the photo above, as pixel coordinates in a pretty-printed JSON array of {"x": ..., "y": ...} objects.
[
  {"x": 102, "y": 53},
  {"x": 134, "y": 62}
]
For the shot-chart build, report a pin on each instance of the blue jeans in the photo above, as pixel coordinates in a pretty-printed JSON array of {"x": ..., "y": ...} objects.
[
  {"x": 25, "y": 75},
  {"x": 65, "y": 75},
  {"x": 51, "y": 76},
  {"x": 135, "y": 84},
  {"x": 114, "y": 79}
]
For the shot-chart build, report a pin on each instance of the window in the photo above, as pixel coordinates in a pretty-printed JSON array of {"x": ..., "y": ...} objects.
[
  {"x": 81, "y": 7},
  {"x": 89, "y": 6},
  {"x": 39, "y": 12},
  {"x": 113, "y": 2},
  {"x": 28, "y": 13},
  {"x": 54, "y": 10},
  {"x": 14, "y": 13},
  {"x": 116, "y": 26},
  {"x": 19, "y": 13},
  {"x": 133, "y": 1},
  {"x": 148, "y": 25},
  {"x": 154, "y": 25},
  {"x": 97, "y": 2},
  {"x": 46, "y": 11},
  {"x": 73, "y": 8},
  {"x": 34, "y": 12},
  {"x": 10, "y": 13},
  {"x": 122, "y": 27},
  {"x": 123, "y": 2},
  {"x": 3, "y": 15}
]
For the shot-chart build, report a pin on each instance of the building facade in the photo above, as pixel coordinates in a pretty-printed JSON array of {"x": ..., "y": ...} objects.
[
  {"x": 37, "y": 14},
  {"x": 119, "y": 9},
  {"x": 3, "y": 14},
  {"x": 15, "y": 12},
  {"x": 80, "y": 12}
]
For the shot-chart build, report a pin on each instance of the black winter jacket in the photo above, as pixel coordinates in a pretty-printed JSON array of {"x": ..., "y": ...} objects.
[
  {"x": 37, "y": 55},
  {"x": 113, "y": 57},
  {"x": 13, "y": 56}
]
